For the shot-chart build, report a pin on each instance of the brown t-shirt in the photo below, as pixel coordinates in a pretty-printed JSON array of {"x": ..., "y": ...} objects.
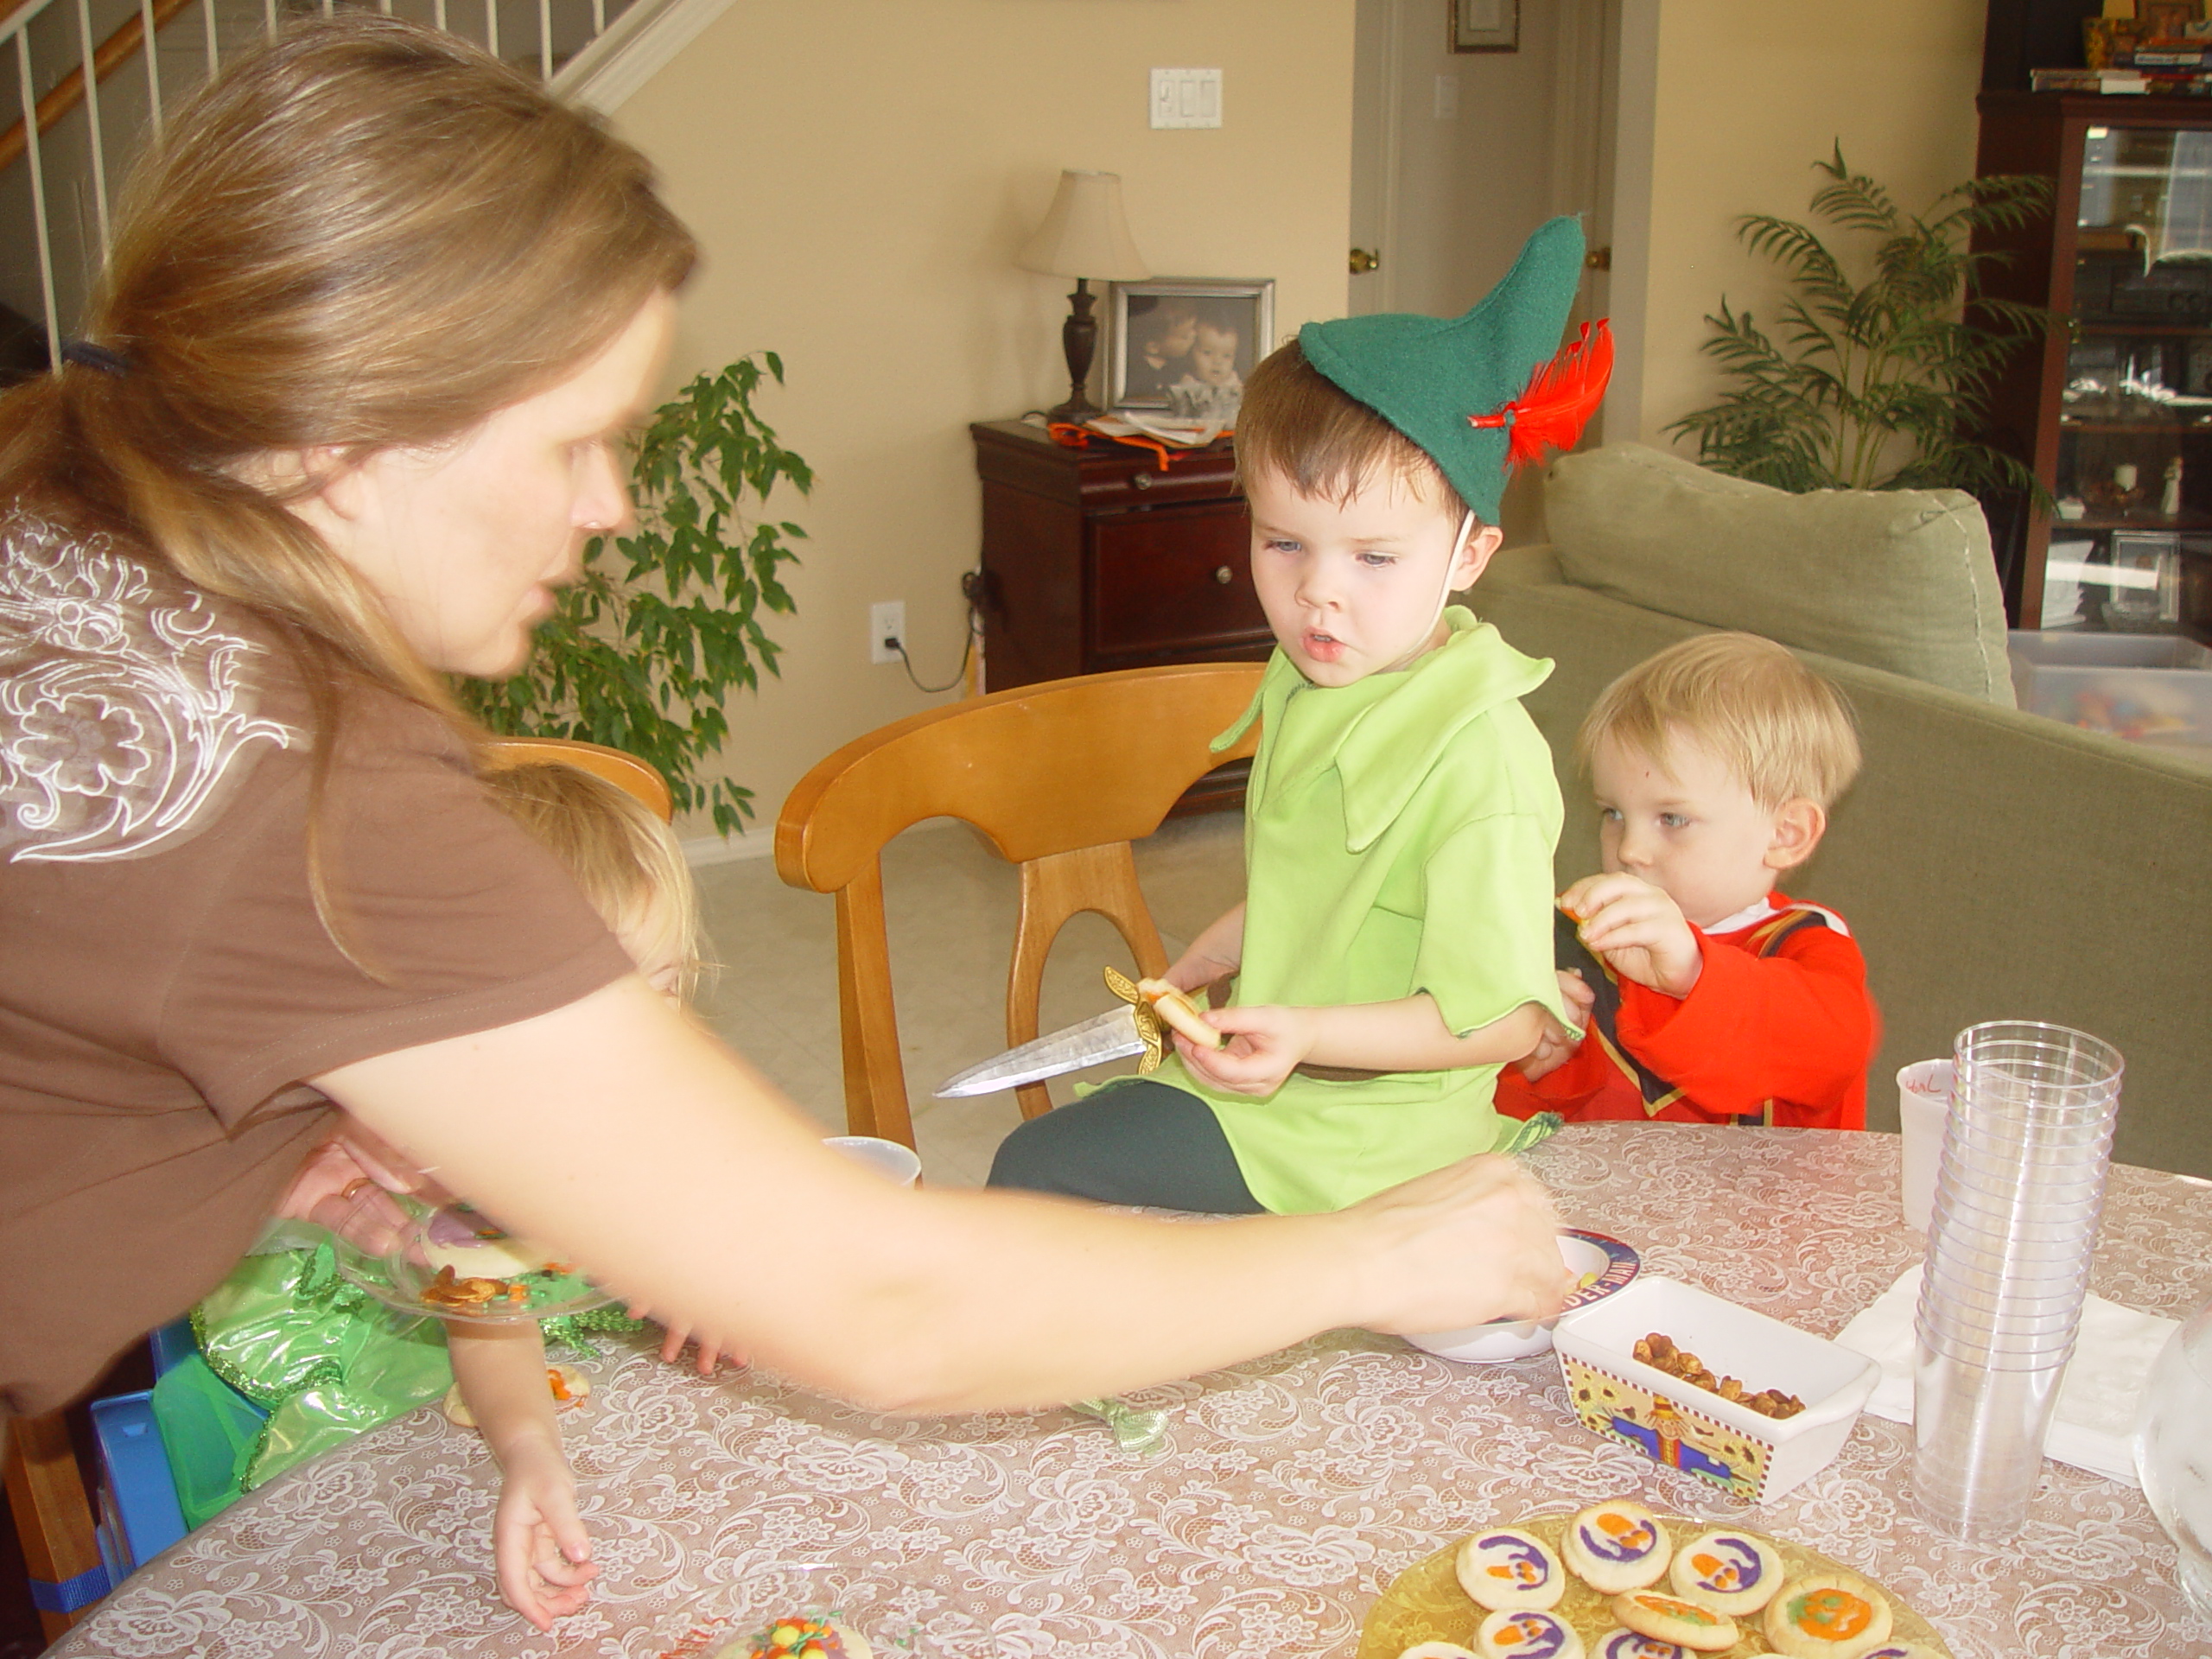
[{"x": 165, "y": 981}]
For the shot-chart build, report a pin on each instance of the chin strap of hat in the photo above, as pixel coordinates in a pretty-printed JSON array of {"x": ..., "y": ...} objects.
[
  {"x": 1562, "y": 395},
  {"x": 1451, "y": 563}
]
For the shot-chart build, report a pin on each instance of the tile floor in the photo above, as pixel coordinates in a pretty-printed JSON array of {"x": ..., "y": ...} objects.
[{"x": 950, "y": 903}]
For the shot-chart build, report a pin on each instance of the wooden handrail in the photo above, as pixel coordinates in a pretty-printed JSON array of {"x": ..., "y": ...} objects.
[{"x": 69, "y": 92}]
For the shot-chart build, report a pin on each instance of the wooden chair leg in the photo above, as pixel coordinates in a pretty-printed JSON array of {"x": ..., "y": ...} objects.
[
  {"x": 867, "y": 1022},
  {"x": 53, "y": 1522},
  {"x": 1054, "y": 888}
]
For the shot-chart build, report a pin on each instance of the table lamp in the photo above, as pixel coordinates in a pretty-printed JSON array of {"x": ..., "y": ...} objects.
[{"x": 1084, "y": 236}]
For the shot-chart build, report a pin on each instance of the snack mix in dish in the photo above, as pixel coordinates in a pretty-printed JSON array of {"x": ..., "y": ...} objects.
[{"x": 1658, "y": 1351}]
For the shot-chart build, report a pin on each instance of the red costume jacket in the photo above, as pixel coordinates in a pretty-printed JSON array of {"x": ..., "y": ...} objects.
[{"x": 1778, "y": 1029}]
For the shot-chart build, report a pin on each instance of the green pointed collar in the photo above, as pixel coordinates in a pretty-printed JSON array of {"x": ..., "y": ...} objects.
[{"x": 1389, "y": 729}]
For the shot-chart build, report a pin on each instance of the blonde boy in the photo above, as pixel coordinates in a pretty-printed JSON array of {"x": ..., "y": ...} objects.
[
  {"x": 1709, "y": 995},
  {"x": 1394, "y": 948}
]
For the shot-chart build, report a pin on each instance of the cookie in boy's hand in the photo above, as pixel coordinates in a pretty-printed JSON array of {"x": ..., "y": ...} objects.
[{"x": 1176, "y": 1010}]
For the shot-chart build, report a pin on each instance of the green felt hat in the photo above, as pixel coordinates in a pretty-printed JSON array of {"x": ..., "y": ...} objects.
[{"x": 1427, "y": 376}]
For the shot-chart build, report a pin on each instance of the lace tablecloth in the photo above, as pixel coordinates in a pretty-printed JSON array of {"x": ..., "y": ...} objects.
[{"x": 1294, "y": 1488}]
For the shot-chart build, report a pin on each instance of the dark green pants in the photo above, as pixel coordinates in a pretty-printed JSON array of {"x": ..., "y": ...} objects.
[{"x": 1137, "y": 1142}]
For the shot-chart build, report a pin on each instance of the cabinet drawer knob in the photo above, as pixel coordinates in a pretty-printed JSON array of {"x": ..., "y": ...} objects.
[
  {"x": 1224, "y": 575},
  {"x": 1141, "y": 481}
]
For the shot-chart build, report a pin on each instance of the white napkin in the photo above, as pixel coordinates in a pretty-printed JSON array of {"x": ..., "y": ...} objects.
[{"x": 2094, "y": 1427}]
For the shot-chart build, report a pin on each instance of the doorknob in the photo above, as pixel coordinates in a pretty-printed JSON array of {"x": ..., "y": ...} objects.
[{"x": 1364, "y": 261}]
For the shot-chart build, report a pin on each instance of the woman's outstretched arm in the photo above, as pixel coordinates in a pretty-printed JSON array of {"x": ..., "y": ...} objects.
[{"x": 679, "y": 1177}]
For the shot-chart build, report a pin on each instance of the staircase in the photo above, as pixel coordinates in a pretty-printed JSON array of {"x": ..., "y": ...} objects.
[{"x": 85, "y": 94}]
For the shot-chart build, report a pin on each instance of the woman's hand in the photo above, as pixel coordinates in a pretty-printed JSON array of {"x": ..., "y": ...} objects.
[
  {"x": 539, "y": 1549},
  {"x": 1477, "y": 1240},
  {"x": 1265, "y": 1044},
  {"x": 1639, "y": 931},
  {"x": 673, "y": 1337}
]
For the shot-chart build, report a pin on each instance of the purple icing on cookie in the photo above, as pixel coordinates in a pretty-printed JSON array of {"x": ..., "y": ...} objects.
[
  {"x": 1628, "y": 1644},
  {"x": 1524, "y": 1566},
  {"x": 1632, "y": 1542},
  {"x": 1531, "y": 1635},
  {"x": 1735, "y": 1568}
]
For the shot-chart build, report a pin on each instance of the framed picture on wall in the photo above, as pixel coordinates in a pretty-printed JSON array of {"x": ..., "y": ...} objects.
[
  {"x": 1486, "y": 25},
  {"x": 1184, "y": 344}
]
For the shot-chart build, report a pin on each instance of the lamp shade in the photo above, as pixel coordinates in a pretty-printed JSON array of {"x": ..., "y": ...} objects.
[{"x": 1084, "y": 233}]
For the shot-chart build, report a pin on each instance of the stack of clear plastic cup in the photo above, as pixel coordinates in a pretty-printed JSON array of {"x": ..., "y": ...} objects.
[{"x": 2018, "y": 1193}]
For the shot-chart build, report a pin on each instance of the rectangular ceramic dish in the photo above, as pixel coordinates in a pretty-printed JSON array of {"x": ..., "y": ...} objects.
[{"x": 1753, "y": 1456}]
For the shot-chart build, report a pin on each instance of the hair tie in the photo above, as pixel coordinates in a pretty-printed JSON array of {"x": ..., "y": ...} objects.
[{"x": 88, "y": 355}]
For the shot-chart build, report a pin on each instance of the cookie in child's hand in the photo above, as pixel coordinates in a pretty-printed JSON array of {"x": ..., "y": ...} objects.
[
  {"x": 1826, "y": 1615},
  {"x": 1178, "y": 1012},
  {"x": 1615, "y": 1547},
  {"x": 1527, "y": 1633},
  {"x": 1509, "y": 1568},
  {"x": 1670, "y": 1618}
]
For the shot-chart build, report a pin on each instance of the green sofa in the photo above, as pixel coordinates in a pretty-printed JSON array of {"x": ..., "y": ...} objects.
[{"x": 1993, "y": 864}]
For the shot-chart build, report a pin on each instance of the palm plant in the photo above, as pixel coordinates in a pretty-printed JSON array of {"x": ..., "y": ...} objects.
[
  {"x": 619, "y": 663},
  {"x": 1878, "y": 386}
]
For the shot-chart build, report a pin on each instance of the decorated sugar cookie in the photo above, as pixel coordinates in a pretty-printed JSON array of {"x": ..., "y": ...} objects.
[
  {"x": 802, "y": 1636},
  {"x": 1731, "y": 1571},
  {"x": 1670, "y": 1618},
  {"x": 1827, "y": 1616},
  {"x": 1527, "y": 1633},
  {"x": 1634, "y": 1645},
  {"x": 1900, "y": 1651},
  {"x": 1508, "y": 1568},
  {"x": 1616, "y": 1546}
]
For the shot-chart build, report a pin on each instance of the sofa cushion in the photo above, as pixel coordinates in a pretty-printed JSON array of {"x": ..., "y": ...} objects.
[{"x": 1900, "y": 580}]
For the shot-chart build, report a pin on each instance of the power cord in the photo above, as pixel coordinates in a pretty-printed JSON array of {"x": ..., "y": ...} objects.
[{"x": 971, "y": 590}]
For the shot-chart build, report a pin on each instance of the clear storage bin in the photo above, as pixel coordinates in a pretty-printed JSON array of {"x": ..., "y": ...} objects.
[{"x": 2147, "y": 688}]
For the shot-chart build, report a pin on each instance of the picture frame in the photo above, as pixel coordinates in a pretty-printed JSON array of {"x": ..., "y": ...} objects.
[
  {"x": 1486, "y": 25},
  {"x": 1184, "y": 344}
]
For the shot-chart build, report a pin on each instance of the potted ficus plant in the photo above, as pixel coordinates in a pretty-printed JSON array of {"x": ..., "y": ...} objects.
[
  {"x": 1878, "y": 384},
  {"x": 642, "y": 653}
]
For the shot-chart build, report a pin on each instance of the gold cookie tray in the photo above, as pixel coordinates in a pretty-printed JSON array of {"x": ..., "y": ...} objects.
[{"x": 1426, "y": 1604}]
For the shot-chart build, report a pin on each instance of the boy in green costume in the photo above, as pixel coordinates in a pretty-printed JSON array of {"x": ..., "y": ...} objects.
[{"x": 1394, "y": 947}]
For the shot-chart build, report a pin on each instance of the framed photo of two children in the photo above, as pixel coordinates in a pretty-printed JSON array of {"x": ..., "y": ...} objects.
[{"x": 1184, "y": 344}]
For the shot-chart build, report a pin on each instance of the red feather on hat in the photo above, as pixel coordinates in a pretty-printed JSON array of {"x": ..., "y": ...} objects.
[{"x": 1562, "y": 395}]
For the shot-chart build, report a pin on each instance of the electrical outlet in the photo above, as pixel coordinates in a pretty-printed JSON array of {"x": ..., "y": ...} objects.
[{"x": 887, "y": 630}]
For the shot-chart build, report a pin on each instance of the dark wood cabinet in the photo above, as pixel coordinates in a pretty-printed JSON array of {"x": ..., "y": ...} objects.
[
  {"x": 1097, "y": 559},
  {"x": 2113, "y": 408}
]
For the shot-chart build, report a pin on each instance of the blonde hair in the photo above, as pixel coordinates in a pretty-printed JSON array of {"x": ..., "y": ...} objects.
[
  {"x": 365, "y": 235},
  {"x": 625, "y": 861},
  {"x": 1784, "y": 732},
  {"x": 1297, "y": 421}
]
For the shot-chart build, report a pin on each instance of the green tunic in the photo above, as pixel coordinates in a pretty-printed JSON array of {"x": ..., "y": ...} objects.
[{"x": 1398, "y": 836}]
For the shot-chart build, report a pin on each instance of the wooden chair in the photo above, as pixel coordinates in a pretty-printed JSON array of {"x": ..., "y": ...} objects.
[
  {"x": 45, "y": 1490},
  {"x": 1060, "y": 777},
  {"x": 617, "y": 767}
]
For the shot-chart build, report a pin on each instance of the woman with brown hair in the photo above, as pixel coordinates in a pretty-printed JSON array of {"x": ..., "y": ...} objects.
[{"x": 376, "y": 314}]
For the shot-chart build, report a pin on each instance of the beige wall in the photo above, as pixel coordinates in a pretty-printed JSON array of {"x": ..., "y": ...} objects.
[
  {"x": 1748, "y": 94},
  {"x": 861, "y": 177}
]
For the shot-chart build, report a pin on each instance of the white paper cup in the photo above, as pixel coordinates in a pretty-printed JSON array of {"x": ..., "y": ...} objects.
[
  {"x": 899, "y": 1165},
  {"x": 1923, "y": 1102}
]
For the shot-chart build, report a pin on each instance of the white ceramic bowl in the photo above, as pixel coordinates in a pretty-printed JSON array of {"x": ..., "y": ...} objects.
[
  {"x": 1755, "y": 1457},
  {"x": 1600, "y": 1265}
]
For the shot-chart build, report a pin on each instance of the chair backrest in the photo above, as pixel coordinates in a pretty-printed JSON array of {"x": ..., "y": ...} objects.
[
  {"x": 1059, "y": 778},
  {"x": 619, "y": 768}
]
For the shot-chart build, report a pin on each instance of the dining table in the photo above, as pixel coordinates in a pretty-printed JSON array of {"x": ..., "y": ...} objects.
[{"x": 1290, "y": 1490}]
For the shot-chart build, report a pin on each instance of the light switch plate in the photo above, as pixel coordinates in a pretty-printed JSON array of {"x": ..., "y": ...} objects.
[{"x": 1187, "y": 98}]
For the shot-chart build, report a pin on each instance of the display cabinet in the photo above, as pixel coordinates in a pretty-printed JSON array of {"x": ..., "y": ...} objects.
[{"x": 2113, "y": 409}]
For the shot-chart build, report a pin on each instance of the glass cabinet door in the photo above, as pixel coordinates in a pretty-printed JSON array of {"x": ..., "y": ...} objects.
[{"x": 2134, "y": 480}]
